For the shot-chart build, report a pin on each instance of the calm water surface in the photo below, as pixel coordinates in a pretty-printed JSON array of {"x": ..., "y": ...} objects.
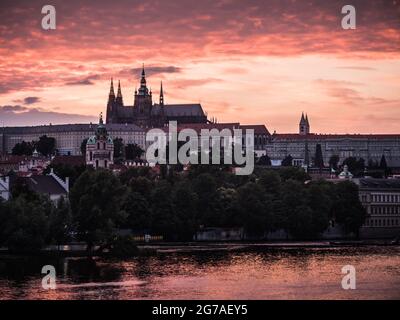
[{"x": 254, "y": 274}]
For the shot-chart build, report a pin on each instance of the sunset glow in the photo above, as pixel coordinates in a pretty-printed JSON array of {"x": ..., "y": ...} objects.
[{"x": 253, "y": 62}]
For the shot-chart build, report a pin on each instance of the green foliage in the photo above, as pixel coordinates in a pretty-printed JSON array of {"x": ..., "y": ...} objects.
[
  {"x": 60, "y": 223},
  {"x": 264, "y": 161},
  {"x": 23, "y": 149},
  {"x": 25, "y": 223},
  {"x": 95, "y": 202},
  {"x": 287, "y": 161},
  {"x": 137, "y": 210},
  {"x": 133, "y": 151},
  {"x": 334, "y": 161},
  {"x": 46, "y": 145},
  {"x": 118, "y": 148},
  {"x": 347, "y": 209},
  {"x": 177, "y": 206},
  {"x": 318, "y": 159},
  {"x": 83, "y": 146},
  {"x": 356, "y": 166}
]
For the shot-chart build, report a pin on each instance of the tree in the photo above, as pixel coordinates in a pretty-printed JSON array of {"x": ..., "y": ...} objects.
[
  {"x": 270, "y": 181},
  {"x": 138, "y": 211},
  {"x": 184, "y": 206},
  {"x": 118, "y": 148},
  {"x": 356, "y": 166},
  {"x": 264, "y": 161},
  {"x": 46, "y": 145},
  {"x": 347, "y": 209},
  {"x": 60, "y": 223},
  {"x": 133, "y": 151},
  {"x": 25, "y": 223},
  {"x": 287, "y": 161},
  {"x": 23, "y": 149},
  {"x": 164, "y": 220},
  {"x": 333, "y": 161},
  {"x": 83, "y": 146},
  {"x": 293, "y": 173},
  {"x": 319, "y": 159},
  {"x": 254, "y": 211},
  {"x": 205, "y": 186},
  {"x": 95, "y": 200},
  {"x": 383, "y": 164}
]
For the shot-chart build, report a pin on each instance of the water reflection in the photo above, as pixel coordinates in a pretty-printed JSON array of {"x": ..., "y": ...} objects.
[{"x": 252, "y": 274}]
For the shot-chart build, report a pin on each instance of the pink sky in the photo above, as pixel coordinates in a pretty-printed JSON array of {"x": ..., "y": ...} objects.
[{"x": 256, "y": 62}]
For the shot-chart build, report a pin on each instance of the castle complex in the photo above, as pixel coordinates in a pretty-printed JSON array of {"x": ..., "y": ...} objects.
[
  {"x": 146, "y": 114},
  {"x": 130, "y": 123}
]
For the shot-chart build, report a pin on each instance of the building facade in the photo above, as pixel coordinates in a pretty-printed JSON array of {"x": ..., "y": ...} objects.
[
  {"x": 100, "y": 148},
  {"x": 381, "y": 199},
  {"x": 69, "y": 137},
  {"x": 146, "y": 114},
  {"x": 302, "y": 146}
]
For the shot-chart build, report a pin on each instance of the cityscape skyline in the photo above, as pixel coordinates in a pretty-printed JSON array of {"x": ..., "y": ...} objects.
[{"x": 256, "y": 63}]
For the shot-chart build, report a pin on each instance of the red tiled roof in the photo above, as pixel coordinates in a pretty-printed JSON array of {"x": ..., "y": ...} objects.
[
  {"x": 208, "y": 126},
  {"x": 314, "y": 136},
  {"x": 258, "y": 128},
  {"x": 69, "y": 160}
]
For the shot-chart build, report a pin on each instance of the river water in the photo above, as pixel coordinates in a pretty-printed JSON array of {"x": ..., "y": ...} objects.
[{"x": 262, "y": 273}]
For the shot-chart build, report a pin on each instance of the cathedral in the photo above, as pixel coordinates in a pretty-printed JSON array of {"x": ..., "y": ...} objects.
[{"x": 147, "y": 114}]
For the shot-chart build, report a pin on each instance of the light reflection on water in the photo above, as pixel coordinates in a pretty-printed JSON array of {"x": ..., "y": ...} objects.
[{"x": 255, "y": 274}]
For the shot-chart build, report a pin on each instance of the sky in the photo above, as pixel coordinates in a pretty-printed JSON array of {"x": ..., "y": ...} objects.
[{"x": 247, "y": 61}]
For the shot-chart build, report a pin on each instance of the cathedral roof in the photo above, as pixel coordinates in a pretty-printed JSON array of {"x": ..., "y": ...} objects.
[{"x": 180, "y": 110}]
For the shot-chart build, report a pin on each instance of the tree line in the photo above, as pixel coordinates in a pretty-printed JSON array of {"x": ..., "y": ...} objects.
[{"x": 177, "y": 204}]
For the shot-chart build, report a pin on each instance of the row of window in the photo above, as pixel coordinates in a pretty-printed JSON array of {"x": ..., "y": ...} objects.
[
  {"x": 385, "y": 210},
  {"x": 382, "y": 223},
  {"x": 392, "y": 198}
]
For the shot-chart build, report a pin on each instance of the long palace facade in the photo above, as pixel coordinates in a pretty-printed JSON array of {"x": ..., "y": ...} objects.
[{"x": 301, "y": 146}]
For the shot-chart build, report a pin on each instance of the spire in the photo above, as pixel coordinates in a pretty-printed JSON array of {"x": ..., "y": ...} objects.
[
  {"x": 161, "y": 95},
  {"x": 302, "y": 120},
  {"x": 101, "y": 118},
  {"x": 112, "y": 94},
  {"x": 308, "y": 124},
  {"x": 119, "y": 94},
  {"x": 143, "y": 91},
  {"x": 143, "y": 79}
]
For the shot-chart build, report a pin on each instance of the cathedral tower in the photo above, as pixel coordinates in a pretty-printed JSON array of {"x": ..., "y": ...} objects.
[
  {"x": 304, "y": 125},
  {"x": 111, "y": 104}
]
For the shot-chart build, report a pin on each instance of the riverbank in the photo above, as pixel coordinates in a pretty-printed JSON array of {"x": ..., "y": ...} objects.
[{"x": 79, "y": 249}]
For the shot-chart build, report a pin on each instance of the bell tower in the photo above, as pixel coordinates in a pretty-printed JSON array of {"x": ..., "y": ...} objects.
[{"x": 304, "y": 125}]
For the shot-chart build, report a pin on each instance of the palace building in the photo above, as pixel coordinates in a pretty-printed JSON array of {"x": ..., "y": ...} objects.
[
  {"x": 301, "y": 146},
  {"x": 146, "y": 114}
]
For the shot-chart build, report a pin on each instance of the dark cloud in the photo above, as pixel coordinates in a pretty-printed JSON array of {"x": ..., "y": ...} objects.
[
  {"x": 83, "y": 82},
  {"x": 150, "y": 70},
  {"x": 357, "y": 68},
  {"x": 17, "y": 115},
  {"x": 31, "y": 100}
]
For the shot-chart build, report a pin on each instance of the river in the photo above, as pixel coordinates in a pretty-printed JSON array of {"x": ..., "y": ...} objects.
[{"x": 261, "y": 273}]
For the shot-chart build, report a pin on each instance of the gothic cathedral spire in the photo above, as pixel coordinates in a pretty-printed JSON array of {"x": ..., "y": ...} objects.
[
  {"x": 161, "y": 95},
  {"x": 119, "y": 100}
]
